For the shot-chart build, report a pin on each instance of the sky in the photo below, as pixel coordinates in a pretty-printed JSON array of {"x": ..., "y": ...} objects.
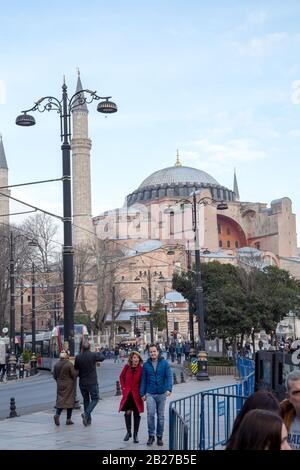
[{"x": 218, "y": 80}]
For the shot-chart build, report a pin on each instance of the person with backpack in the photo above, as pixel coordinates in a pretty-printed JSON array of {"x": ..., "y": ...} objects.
[{"x": 85, "y": 363}]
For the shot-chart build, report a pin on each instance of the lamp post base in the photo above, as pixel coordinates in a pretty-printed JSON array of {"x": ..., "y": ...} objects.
[
  {"x": 202, "y": 373},
  {"x": 33, "y": 364},
  {"x": 12, "y": 367}
]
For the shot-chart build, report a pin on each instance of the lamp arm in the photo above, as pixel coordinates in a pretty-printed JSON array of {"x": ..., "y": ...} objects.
[
  {"x": 53, "y": 104},
  {"x": 78, "y": 99},
  {"x": 206, "y": 200}
]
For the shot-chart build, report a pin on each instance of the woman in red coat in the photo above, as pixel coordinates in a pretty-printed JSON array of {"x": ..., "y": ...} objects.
[{"x": 130, "y": 379}]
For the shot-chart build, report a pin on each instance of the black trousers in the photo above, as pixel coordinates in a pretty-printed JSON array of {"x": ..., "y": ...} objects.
[
  {"x": 69, "y": 412},
  {"x": 129, "y": 408}
]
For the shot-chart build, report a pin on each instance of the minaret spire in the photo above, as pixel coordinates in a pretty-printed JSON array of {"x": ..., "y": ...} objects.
[
  {"x": 235, "y": 187},
  {"x": 4, "y": 197},
  {"x": 178, "y": 162},
  {"x": 3, "y": 162},
  {"x": 81, "y": 107}
]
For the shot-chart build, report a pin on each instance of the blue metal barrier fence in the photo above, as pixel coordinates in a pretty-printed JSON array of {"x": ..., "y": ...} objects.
[{"x": 206, "y": 417}]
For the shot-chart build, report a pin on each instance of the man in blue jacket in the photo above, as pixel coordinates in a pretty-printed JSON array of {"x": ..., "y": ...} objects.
[{"x": 156, "y": 386}]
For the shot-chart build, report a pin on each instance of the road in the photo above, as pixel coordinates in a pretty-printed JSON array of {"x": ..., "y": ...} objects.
[{"x": 38, "y": 393}]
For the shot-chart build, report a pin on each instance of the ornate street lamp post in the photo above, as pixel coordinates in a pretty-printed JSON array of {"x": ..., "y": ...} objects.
[
  {"x": 64, "y": 108},
  {"x": 202, "y": 373}
]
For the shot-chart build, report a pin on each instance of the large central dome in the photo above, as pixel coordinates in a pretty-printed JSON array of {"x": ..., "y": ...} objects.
[
  {"x": 176, "y": 175},
  {"x": 177, "y": 182}
]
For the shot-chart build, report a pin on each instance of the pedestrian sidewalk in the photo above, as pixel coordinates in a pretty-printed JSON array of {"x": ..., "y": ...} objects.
[{"x": 37, "y": 431}]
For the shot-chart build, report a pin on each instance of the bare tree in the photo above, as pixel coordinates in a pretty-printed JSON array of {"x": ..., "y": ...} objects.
[
  {"x": 42, "y": 230},
  {"x": 43, "y": 258},
  {"x": 4, "y": 275},
  {"x": 96, "y": 266}
]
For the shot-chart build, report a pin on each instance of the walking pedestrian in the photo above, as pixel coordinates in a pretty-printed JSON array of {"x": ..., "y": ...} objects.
[
  {"x": 156, "y": 386},
  {"x": 261, "y": 430},
  {"x": 131, "y": 402},
  {"x": 64, "y": 374},
  {"x": 85, "y": 363},
  {"x": 179, "y": 350},
  {"x": 116, "y": 354},
  {"x": 172, "y": 351},
  {"x": 122, "y": 355},
  {"x": 187, "y": 350},
  {"x": 290, "y": 409},
  {"x": 261, "y": 400}
]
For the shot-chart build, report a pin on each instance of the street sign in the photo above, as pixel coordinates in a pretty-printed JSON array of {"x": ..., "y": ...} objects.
[
  {"x": 194, "y": 366},
  {"x": 5, "y": 330}
]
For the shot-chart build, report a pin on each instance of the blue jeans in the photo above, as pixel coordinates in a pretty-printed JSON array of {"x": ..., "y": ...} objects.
[
  {"x": 156, "y": 404},
  {"x": 90, "y": 394}
]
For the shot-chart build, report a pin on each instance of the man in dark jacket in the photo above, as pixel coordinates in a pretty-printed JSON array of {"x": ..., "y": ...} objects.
[
  {"x": 85, "y": 363},
  {"x": 156, "y": 386}
]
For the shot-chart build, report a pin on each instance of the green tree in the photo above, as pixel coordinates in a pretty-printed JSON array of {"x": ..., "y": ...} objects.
[
  {"x": 158, "y": 315},
  {"x": 238, "y": 301}
]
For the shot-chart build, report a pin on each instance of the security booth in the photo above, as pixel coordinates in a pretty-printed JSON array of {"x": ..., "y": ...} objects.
[{"x": 272, "y": 369}]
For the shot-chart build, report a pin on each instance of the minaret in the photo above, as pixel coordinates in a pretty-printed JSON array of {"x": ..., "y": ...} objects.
[
  {"x": 235, "y": 187},
  {"x": 4, "y": 201},
  {"x": 81, "y": 174}
]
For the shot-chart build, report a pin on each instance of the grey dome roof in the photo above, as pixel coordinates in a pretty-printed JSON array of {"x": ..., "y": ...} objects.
[
  {"x": 178, "y": 174},
  {"x": 177, "y": 182}
]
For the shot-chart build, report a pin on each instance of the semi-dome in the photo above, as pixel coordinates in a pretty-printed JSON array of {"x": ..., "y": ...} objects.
[{"x": 176, "y": 175}]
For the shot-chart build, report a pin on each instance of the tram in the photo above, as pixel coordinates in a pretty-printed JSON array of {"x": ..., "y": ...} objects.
[{"x": 49, "y": 344}]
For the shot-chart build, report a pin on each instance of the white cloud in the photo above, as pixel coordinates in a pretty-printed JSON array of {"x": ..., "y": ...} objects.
[
  {"x": 260, "y": 46},
  {"x": 295, "y": 92},
  {"x": 232, "y": 151},
  {"x": 294, "y": 133}
]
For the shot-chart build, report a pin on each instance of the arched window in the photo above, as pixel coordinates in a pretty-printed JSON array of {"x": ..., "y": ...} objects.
[
  {"x": 144, "y": 294},
  {"x": 171, "y": 224}
]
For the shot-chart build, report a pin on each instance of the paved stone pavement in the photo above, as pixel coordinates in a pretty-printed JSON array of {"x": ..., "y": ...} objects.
[{"x": 38, "y": 431}]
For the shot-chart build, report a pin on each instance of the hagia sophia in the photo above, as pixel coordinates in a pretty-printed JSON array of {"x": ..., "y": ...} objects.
[
  {"x": 154, "y": 228},
  {"x": 157, "y": 216}
]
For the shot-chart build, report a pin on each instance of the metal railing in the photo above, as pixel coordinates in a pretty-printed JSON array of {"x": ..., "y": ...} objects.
[
  {"x": 218, "y": 412},
  {"x": 206, "y": 417},
  {"x": 180, "y": 432}
]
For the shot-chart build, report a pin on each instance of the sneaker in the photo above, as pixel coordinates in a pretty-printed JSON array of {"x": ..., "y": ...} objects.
[
  {"x": 150, "y": 440},
  {"x": 84, "y": 420},
  {"x": 159, "y": 441},
  {"x": 56, "y": 420}
]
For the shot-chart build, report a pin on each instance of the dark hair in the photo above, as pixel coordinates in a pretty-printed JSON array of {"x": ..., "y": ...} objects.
[
  {"x": 260, "y": 400},
  {"x": 153, "y": 345},
  {"x": 85, "y": 346},
  {"x": 259, "y": 430}
]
